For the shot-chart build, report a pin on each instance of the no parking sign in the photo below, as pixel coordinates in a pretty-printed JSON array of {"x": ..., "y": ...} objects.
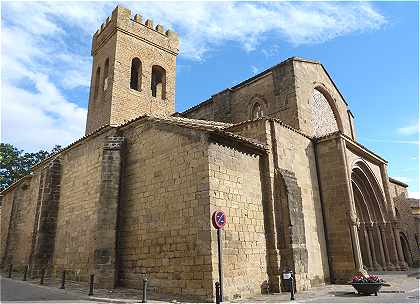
[{"x": 219, "y": 219}]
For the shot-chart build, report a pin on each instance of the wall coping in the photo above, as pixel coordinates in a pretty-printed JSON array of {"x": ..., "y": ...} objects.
[{"x": 395, "y": 181}]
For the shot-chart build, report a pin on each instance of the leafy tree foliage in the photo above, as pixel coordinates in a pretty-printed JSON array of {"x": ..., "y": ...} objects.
[{"x": 15, "y": 164}]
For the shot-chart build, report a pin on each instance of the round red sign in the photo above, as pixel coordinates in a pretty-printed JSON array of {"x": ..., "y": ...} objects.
[{"x": 219, "y": 219}]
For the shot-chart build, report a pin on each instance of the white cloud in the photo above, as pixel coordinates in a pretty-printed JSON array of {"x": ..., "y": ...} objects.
[
  {"x": 409, "y": 129},
  {"x": 205, "y": 25},
  {"x": 45, "y": 50},
  {"x": 254, "y": 69}
]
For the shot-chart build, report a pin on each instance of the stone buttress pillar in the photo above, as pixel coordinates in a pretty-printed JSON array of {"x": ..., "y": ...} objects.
[
  {"x": 47, "y": 219},
  {"x": 352, "y": 212},
  {"x": 107, "y": 213}
]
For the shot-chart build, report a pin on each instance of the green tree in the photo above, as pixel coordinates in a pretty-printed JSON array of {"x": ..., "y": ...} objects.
[{"x": 15, "y": 164}]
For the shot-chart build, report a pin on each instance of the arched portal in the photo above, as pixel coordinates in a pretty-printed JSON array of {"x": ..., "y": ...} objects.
[{"x": 370, "y": 208}]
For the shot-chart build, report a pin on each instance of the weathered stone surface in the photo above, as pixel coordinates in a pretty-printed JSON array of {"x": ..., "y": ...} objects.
[{"x": 135, "y": 199}]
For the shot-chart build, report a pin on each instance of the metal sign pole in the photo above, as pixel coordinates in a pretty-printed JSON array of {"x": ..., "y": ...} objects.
[{"x": 220, "y": 253}]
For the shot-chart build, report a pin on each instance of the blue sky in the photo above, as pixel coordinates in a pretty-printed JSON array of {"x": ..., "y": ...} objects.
[{"x": 370, "y": 50}]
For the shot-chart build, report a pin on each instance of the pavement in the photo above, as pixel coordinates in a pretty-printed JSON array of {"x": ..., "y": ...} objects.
[{"x": 404, "y": 288}]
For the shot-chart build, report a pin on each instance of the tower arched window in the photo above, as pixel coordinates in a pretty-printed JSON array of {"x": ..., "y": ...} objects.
[
  {"x": 158, "y": 85},
  {"x": 257, "y": 111},
  {"x": 97, "y": 81},
  {"x": 135, "y": 80},
  {"x": 106, "y": 72}
]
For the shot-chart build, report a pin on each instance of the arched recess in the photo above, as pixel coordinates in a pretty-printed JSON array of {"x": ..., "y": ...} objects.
[
  {"x": 371, "y": 213},
  {"x": 406, "y": 249},
  {"x": 290, "y": 224},
  {"x": 325, "y": 115}
]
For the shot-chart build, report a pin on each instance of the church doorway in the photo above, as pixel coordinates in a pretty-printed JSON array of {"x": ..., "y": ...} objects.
[{"x": 370, "y": 210}]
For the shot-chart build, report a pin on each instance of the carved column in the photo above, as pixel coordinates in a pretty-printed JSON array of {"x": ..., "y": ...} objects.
[
  {"x": 392, "y": 243},
  {"x": 381, "y": 248},
  {"x": 356, "y": 243},
  {"x": 389, "y": 265},
  {"x": 376, "y": 266},
  {"x": 107, "y": 213},
  {"x": 368, "y": 253}
]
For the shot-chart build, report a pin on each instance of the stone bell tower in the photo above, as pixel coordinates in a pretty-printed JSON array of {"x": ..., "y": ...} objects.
[{"x": 133, "y": 70}]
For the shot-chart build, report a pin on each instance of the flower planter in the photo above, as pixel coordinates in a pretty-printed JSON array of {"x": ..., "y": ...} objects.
[{"x": 367, "y": 288}]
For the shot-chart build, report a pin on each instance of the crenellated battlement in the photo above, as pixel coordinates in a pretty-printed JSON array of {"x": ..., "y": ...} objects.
[{"x": 121, "y": 19}]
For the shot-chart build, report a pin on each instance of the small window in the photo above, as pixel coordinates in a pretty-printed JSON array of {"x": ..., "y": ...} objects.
[
  {"x": 97, "y": 80},
  {"x": 158, "y": 85},
  {"x": 257, "y": 111},
  {"x": 135, "y": 80},
  {"x": 106, "y": 71}
]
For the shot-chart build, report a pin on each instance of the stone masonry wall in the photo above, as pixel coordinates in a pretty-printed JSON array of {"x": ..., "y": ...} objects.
[
  {"x": 238, "y": 192},
  {"x": 18, "y": 217},
  {"x": 336, "y": 206},
  {"x": 164, "y": 230},
  {"x": 274, "y": 91},
  {"x": 296, "y": 154},
  {"x": 407, "y": 221},
  {"x": 76, "y": 219}
]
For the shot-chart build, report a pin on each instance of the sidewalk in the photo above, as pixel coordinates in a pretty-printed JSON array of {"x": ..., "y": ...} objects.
[
  {"x": 404, "y": 288},
  {"x": 80, "y": 291}
]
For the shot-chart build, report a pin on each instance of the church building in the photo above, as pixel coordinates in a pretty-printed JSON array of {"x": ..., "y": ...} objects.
[{"x": 134, "y": 197}]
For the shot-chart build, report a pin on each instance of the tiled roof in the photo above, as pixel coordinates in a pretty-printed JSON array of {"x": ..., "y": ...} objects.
[{"x": 213, "y": 127}]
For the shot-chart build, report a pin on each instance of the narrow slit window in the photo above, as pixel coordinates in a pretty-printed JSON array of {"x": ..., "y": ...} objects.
[
  {"x": 135, "y": 81},
  {"x": 97, "y": 80},
  {"x": 106, "y": 71}
]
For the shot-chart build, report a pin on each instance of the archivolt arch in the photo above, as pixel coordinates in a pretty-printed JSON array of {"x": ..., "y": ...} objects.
[
  {"x": 371, "y": 212},
  {"x": 365, "y": 179}
]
